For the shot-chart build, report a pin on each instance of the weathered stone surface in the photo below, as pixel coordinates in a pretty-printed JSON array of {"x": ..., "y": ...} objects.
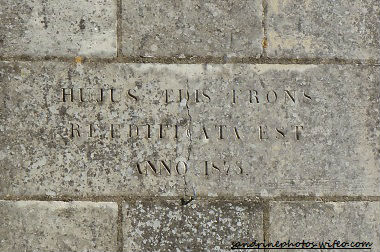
[
  {"x": 324, "y": 142},
  {"x": 58, "y": 28},
  {"x": 319, "y": 221},
  {"x": 324, "y": 29},
  {"x": 57, "y": 226},
  {"x": 197, "y": 226},
  {"x": 192, "y": 28}
]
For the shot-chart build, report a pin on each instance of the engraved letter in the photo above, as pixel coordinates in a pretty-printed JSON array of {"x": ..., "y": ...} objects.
[
  {"x": 101, "y": 95},
  {"x": 152, "y": 167},
  {"x": 253, "y": 94},
  {"x": 148, "y": 130},
  {"x": 215, "y": 167},
  {"x": 139, "y": 168},
  {"x": 274, "y": 96},
  {"x": 306, "y": 96},
  {"x": 187, "y": 95},
  {"x": 176, "y": 131},
  {"x": 236, "y": 133},
  {"x": 292, "y": 97},
  {"x": 81, "y": 95},
  {"x": 221, "y": 131},
  {"x": 162, "y": 132},
  {"x": 72, "y": 130},
  {"x": 167, "y": 98},
  {"x": 280, "y": 132},
  {"x": 297, "y": 131},
  {"x": 112, "y": 94},
  {"x": 64, "y": 94},
  {"x": 262, "y": 133},
  {"x": 240, "y": 166},
  {"x": 91, "y": 130},
  {"x": 233, "y": 96},
  {"x": 166, "y": 166},
  {"x": 113, "y": 131},
  {"x": 205, "y": 132},
  {"x": 206, "y": 95},
  {"x": 184, "y": 167},
  {"x": 206, "y": 168},
  {"x": 136, "y": 130},
  {"x": 132, "y": 95}
]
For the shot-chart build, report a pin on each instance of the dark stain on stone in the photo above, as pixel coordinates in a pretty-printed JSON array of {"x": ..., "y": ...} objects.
[
  {"x": 81, "y": 24},
  {"x": 66, "y": 213},
  {"x": 45, "y": 22},
  {"x": 299, "y": 25},
  {"x": 62, "y": 111},
  {"x": 184, "y": 202}
]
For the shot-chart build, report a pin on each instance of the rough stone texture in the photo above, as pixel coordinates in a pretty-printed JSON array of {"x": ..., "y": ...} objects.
[
  {"x": 57, "y": 226},
  {"x": 165, "y": 28},
  {"x": 198, "y": 226},
  {"x": 58, "y": 28},
  {"x": 319, "y": 221},
  {"x": 324, "y": 29},
  {"x": 184, "y": 151},
  {"x": 337, "y": 151}
]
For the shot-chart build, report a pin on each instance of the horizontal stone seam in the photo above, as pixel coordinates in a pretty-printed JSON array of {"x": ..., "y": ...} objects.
[
  {"x": 196, "y": 60},
  {"x": 257, "y": 199}
]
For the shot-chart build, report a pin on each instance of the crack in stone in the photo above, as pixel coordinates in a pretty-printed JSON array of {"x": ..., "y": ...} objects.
[
  {"x": 189, "y": 149},
  {"x": 185, "y": 188},
  {"x": 190, "y": 134}
]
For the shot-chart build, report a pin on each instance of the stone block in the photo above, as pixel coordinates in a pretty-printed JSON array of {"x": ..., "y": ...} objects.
[
  {"x": 197, "y": 226},
  {"x": 324, "y": 29},
  {"x": 192, "y": 28},
  {"x": 58, "y": 226},
  {"x": 39, "y": 28},
  {"x": 329, "y": 222},
  {"x": 169, "y": 130}
]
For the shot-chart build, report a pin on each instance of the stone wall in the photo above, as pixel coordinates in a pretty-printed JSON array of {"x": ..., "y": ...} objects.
[{"x": 174, "y": 125}]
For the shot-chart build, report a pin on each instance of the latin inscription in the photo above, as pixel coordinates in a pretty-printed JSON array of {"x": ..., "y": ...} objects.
[
  {"x": 169, "y": 130},
  {"x": 165, "y": 131},
  {"x": 111, "y": 95},
  {"x": 183, "y": 129},
  {"x": 180, "y": 167}
]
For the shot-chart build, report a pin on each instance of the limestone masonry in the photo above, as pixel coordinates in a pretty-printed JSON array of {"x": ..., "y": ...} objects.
[
  {"x": 143, "y": 126},
  {"x": 149, "y": 129},
  {"x": 58, "y": 28}
]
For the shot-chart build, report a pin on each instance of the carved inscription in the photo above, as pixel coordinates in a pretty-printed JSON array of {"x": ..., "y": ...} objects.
[
  {"x": 172, "y": 129},
  {"x": 102, "y": 95},
  {"x": 208, "y": 168},
  {"x": 182, "y": 128},
  {"x": 165, "y": 131}
]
